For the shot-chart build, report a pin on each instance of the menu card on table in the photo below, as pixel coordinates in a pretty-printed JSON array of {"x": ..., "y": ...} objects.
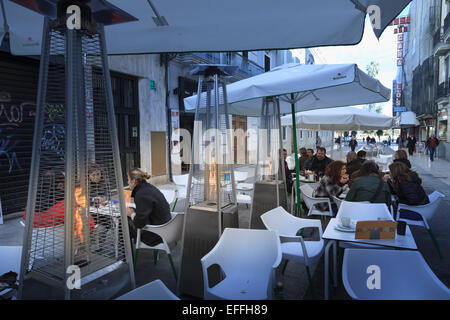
[{"x": 375, "y": 230}]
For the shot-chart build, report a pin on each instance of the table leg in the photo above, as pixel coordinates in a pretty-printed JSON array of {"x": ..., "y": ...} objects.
[
  {"x": 335, "y": 263},
  {"x": 327, "y": 250}
]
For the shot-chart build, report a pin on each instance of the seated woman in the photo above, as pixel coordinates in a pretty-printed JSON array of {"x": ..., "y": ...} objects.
[
  {"x": 333, "y": 183},
  {"x": 353, "y": 163},
  {"x": 407, "y": 185},
  {"x": 402, "y": 156},
  {"x": 151, "y": 207},
  {"x": 369, "y": 186}
]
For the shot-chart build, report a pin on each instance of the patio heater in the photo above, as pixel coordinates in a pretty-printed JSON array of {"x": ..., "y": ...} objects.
[
  {"x": 76, "y": 241},
  {"x": 270, "y": 184},
  {"x": 211, "y": 197}
]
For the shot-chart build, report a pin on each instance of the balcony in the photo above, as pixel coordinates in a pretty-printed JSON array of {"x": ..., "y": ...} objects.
[
  {"x": 247, "y": 68},
  {"x": 447, "y": 28},
  {"x": 440, "y": 46},
  {"x": 443, "y": 93}
]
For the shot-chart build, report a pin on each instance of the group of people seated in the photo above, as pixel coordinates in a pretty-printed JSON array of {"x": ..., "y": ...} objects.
[
  {"x": 151, "y": 206},
  {"x": 366, "y": 182},
  {"x": 363, "y": 179}
]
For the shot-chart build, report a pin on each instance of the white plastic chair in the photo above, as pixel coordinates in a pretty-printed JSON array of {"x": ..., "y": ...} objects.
[
  {"x": 155, "y": 290},
  {"x": 248, "y": 259},
  {"x": 307, "y": 195},
  {"x": 170, "y": 197},
  {"x": 181, "y": 181},
  {"x": 426, "y": 212},
  {"x": 294, "y": 247},
  {"x": 240, "y": 176},
  {"x": 170, "y": 233},
  {"x": 403, "y": 275},
  {"x": 337, "y": 201}
]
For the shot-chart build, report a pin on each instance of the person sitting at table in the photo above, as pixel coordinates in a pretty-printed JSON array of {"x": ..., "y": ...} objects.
[
  {"x": 353, "y": 163},
  {"x": 406, "y": 185},
  {"x": 333, "y": 183},
  {"x": 49, "y": 210},
  {"x": 402, "y": 156},
  {"x": 302, "y": 159},
  {"x": 361, "y": 154},
  {"x": 318, "y": 163},
  {"x": 97, "y": 185},
  {"x": 287, "y": 172},
  {"x": 151, "y": 207},
  {"x": 369, "y": 186}
]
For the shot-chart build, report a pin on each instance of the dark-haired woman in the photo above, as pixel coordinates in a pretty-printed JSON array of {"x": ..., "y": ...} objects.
[
  {"x": 151, "y": 206},
  {"x": 402, "y": 156},
  {"x": 407, "y": 185},
  {"x": 369, "y": 186},
  {"x": 333, "y": 183}
]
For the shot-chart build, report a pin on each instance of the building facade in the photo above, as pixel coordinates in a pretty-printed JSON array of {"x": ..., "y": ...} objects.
[{"x": 426, "y": 70}]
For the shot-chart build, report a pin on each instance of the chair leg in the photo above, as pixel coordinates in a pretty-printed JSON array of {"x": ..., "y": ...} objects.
[
  {"x": 435, "y": 242},
  {"x": 310, "y": 282},
  {"x": 135, "y": 257},
  {"x": 173, "y": 267},
  {"x": 284, "y": 267},
  {"x": 155, "y": 256}
]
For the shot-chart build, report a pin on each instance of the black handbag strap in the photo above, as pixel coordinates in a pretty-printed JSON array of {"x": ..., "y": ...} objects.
[{"x": 380, "y": 186}]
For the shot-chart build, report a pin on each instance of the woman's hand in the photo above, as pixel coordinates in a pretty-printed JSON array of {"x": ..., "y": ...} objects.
[{"x": 386, "y": 177}]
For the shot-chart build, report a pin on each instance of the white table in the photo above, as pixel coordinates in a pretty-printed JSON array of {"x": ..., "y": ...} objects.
[
  {"x": 333, "y": 236},
  {"x": 10, "y": 258}
]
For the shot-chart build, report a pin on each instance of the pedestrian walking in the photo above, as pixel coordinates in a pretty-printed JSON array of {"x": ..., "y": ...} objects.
[
  {"x": 431, "y": 144},
  {"x": 389, "y": 140},
  {"x": 411, "y": 143},
  {"x": 318, "y": 142},
  {"x": 368, "y": 140},
  {"x": 353, "y": 143}
]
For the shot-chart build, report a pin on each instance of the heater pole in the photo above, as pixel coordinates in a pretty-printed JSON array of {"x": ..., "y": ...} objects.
[
  {"x": 297, "y": 173},
  {"x": 116, "y": 153}
]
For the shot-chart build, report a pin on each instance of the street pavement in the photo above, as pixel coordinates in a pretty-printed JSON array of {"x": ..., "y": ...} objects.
[{"x": 435, "y": 176}]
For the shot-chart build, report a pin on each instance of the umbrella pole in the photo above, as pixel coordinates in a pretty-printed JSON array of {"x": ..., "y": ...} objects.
[{"x": 297, "y": 174}]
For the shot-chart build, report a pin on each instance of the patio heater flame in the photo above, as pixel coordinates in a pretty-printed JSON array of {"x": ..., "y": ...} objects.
[{"x": 212, "y": 181}]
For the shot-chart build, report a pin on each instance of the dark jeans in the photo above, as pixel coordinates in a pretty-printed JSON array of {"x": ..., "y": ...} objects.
[
  {"x": 411, "y": 150},
  {"x": 432, "y": 150}
]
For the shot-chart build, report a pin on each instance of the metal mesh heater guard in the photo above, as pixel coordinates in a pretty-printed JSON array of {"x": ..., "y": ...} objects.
[
  {"x": 270, "y": 180},
  {"x": 76, "y": 241},
  {"x": 211, "y": 197}
]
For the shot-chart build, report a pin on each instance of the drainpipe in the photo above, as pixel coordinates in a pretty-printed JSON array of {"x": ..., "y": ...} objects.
[{"x": 166, "y": 58}]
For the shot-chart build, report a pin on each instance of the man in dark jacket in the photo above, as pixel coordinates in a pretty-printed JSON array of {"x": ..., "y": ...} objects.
[
  {"x": 411, "y": 143},
  {"x": 353, "y": 143},
  {"x": 431, "y": 144},
  {"x": 319, "y": 162}
]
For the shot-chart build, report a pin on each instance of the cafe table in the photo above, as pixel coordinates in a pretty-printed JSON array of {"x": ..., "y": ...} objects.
[
  {"x": 10, "y": 258},
  {"x": 333, "y": 236}
]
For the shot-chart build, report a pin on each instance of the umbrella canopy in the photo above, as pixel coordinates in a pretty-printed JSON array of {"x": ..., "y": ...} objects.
[
  {"x": 205, "y": 25},
  {"x": 346, "y": 118},
  {"x": 317, "y": 86},
  {"x": 405, "y": 120}
]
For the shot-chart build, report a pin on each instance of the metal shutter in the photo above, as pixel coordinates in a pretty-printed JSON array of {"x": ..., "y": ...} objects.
[{"x": 18, "y": 88}]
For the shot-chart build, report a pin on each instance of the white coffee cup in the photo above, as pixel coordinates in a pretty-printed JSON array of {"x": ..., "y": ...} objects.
[
  {"x": 311, "y": 176},
  {"x": 345, "y": 221}
]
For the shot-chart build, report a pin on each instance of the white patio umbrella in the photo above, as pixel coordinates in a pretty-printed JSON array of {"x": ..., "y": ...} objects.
[
  {"x": 316, "y": 86},
  {"x": 205, "y": 25},
  {"x": 337, "y": 119},
  {"x": 302, "y": 87}
]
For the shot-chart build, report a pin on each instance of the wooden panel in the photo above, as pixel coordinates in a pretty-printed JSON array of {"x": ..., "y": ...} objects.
[{"x": 158, "y": 149}]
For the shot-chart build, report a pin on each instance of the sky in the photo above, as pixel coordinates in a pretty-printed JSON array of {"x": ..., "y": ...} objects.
[{"x": 383, "y": 51}]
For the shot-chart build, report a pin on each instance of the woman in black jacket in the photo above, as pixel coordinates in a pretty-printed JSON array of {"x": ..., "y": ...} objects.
[
  {"x": 407, "y": 185},
  {"x": 401, "y": 156},
  {"x": 151, "y": 206}
]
